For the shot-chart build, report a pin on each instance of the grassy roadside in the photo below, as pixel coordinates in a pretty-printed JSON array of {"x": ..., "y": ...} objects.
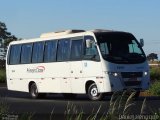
[
  {"x": 120, "y": 108},
  {"x": 2, "y": 75},
  {"x": 154, "y": 89},
  {"x": 155, "y": 73}
]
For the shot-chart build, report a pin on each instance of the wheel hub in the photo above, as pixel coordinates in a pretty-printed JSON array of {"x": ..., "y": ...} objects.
[
  {"x": 34, "y": 91},
  {"x": 94, "y": 92}
]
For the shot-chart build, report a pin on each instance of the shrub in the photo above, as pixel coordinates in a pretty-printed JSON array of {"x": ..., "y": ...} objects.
[
  {"x": 2, "y": 75},
  {"x": 155, "y": 73},
  {"x": 3, "y": 107},
  {"x": 155, "y": 88}
]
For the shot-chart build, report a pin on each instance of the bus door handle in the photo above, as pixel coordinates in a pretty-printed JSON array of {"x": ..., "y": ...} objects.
[
  {"x": 80, "y": 71},
  {"x": 72, "y": 71},
  {"x": 76, "y": 78},
  {"x": 64, "y": 78}
]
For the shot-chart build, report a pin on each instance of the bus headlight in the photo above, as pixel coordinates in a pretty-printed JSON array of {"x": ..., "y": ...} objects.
[
  {"x": 145, "y": 73},
  {"x": 115, "y": 74}
]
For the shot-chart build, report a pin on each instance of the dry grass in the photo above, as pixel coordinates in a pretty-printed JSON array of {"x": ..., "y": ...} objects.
[{"x": 120, "y": 104}]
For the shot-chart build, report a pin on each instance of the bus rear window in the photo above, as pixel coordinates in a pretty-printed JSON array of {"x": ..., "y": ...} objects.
[{"x": 15, "y": 52}]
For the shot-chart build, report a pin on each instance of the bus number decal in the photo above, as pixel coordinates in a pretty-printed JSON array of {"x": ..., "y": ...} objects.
[{"x": 85, "y": 64}]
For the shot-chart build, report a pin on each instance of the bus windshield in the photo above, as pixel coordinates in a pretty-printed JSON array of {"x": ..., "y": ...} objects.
[{"x": 120, "y": 47}]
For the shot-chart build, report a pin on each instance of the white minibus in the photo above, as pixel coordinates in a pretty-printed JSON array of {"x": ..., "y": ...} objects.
[{"x": 74, "y": 62}]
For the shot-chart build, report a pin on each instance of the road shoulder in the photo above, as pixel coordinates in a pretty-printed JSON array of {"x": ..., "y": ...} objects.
[{"x": 3, "y": 85}]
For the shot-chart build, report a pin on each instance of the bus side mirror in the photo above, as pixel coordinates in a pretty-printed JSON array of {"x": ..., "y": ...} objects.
[
  {"x": 141, "y": 42},
  {"x": 89, "y": 43}
]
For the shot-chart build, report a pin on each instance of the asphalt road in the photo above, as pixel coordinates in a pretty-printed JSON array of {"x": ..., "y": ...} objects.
[{"x": 54, "y": 105}]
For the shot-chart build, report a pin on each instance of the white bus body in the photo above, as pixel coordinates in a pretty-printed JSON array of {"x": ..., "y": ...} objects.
[{"x": 77, "y": 62}]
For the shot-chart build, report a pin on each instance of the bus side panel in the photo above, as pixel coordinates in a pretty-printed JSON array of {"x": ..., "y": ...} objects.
[
  {"x": 52, "y": 77},
  {"x": 48, "y": 82},
  {"x": 55, "y": 78},
  {"x": 77, "y": 79},
  {"x": 92, "y": 70},
  {"x": 15, "y": 78},
  {"x": 63, "y": 70}
]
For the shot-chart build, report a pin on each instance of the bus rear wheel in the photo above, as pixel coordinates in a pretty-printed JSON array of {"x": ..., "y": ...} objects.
[
  {"x": 93, "y": 93},
  {"x": 33, "y": 91}
]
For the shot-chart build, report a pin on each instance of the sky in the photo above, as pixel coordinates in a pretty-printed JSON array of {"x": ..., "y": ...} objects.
[{"x": 29, "y": 18}]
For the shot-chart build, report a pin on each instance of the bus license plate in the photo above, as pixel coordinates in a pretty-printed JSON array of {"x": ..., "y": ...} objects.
[{"x": 132, "y": 79}]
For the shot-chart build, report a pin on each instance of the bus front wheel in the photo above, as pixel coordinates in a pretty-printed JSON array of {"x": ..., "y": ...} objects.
[{"x": 93, "y": 93}]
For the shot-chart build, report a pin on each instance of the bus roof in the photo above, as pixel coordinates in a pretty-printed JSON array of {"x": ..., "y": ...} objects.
[{"x": 62, "y": 34}]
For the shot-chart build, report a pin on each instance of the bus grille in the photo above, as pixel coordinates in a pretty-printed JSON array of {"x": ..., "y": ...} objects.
[{"x": 131, "y": 74}]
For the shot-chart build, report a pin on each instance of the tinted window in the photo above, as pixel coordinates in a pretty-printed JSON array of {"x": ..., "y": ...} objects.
[
  {"x": 38, "y": 49},
  {"x": 92, "y": 52},
  {"x": 104, "y": 48},
  {"x": 15, "y": 54},
  {"x": 76, "y": 49},
  {"x": 26, "y": 53},
  {"x": 50, "y": 51},
  {"x": 63, "y": 53},
  {"x": 8, "y": 55},
  {"x": 120, "y": 47}
]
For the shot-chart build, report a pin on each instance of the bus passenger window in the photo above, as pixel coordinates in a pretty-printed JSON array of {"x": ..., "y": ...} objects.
[
  {"x": 26, "y": 53},
  {"x": 76, "y": 49},
  {"x": 50, "y": 51},
  {"x": 38, "y": 49},
  {"x": 63, "y": 52}
]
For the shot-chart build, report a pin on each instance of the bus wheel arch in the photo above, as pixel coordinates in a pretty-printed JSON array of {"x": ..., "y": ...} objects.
[
  {"x": 92, "y": 91},
  {"x": 88, "y": 83}
]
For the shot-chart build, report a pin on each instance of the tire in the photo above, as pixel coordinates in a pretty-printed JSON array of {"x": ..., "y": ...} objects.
[
  {"x": 69, "y": 96},
  {"x": 93, "y": 93},
  {"x": 33, "y": 91}
]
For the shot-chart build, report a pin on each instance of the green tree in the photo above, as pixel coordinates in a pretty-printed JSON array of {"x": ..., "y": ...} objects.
[
  {"x": 5, "y": 36},
  {"x": 152, "y": 56}
]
